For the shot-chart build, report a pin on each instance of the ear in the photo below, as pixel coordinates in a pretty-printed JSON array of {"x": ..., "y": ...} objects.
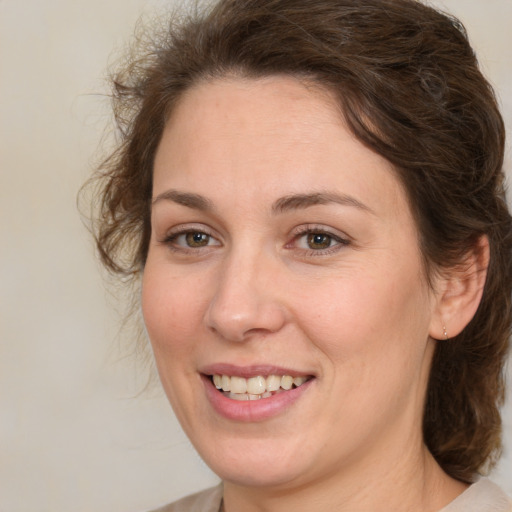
[{"x": 459, "y": 291}]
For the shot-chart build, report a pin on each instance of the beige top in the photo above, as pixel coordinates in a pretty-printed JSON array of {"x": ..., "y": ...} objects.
[{"x": 482, "y": 496}]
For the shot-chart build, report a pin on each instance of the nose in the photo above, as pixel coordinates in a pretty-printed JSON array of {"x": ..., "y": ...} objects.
[{"x": 246, "y": 299}]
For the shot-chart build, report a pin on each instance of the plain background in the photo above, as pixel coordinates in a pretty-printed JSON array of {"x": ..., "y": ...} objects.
[{"x": 75, "y": 433}]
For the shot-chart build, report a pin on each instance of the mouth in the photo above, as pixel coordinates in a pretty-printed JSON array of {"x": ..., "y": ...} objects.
[
  {"x": 255, "y": 393},
  {"x": 256, "y": 388}
]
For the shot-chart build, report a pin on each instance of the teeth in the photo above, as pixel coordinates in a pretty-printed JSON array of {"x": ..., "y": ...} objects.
[
  {"x": 226, "y": 383},
  {"x": 217, "y": 380},
  {"x": 298, "y": 381},
  {"x": 273, "y": 382},
  {"x": 286, "y": 382},
  {"x": 239, "y": 396},
  {"x": 238, "y": 385},
  {"x": 257, "y": 387}
]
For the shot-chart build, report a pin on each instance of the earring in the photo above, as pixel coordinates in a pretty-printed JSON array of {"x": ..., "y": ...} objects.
[{"x": 445, "y": 332}]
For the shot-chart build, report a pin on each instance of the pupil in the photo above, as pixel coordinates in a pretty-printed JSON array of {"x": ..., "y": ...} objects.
[
  {"x": 319, "y": 241},
  {"x": 197, "y": 239}
]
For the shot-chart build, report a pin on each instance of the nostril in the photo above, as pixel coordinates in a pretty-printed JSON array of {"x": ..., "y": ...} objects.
[
  {"x": 240, "y": 326},
  {"x": 242, "y": 306}
]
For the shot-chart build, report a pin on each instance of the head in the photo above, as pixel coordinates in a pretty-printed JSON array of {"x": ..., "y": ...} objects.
[{"x": 404, "y": 82}]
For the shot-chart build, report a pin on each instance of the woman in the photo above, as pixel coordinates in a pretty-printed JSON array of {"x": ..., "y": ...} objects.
[{"x": 311, "y": 194}]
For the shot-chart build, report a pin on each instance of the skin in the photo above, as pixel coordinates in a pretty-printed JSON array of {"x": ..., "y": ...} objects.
[{"x": 358, "y": 315}]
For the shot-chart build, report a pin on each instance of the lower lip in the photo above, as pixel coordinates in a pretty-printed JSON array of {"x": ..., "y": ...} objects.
[{"x": 252, "y": 410}]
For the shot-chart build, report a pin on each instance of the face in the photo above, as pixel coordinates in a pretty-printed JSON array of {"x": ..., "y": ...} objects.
[{"x": 284, "y": 269}]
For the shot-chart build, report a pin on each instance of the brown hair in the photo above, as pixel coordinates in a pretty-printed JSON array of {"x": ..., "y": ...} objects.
[{"x": 409, "y": 87}]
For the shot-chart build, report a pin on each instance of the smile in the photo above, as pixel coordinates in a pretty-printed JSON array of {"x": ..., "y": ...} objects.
[
  {"x": 254, "y": 393},
  {"x": 256, "y": 388}
]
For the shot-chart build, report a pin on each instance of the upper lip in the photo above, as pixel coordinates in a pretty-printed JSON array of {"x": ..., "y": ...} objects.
[{"x": 250, "y": 371}]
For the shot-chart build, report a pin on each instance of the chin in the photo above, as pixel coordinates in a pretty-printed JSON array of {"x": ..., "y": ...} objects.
[
  {"x": 256, "y": 463},
  {"x": 257, "y": 472}
]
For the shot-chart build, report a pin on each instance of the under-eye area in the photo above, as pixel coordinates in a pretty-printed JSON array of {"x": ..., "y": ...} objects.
[{"x": 256, "y": 388}]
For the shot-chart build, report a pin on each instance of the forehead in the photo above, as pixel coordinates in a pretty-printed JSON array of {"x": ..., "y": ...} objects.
[
  {"x": 269, "y": 111},
  {"x": 243, "y": 138}
]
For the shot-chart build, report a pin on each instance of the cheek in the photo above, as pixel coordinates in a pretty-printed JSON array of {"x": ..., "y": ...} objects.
[
  {"x": 368, "y": 315},
  {"x": 172, "y": 308},
  {"x": 374, "y": 332}
]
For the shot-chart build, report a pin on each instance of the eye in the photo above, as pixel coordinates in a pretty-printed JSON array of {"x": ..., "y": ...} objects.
[
  {"x": 318, "y": 240},
  {"x": 196, "y": 239},
  {"x": 315, "y": 241},
  {"x": 190, "y": 239}
]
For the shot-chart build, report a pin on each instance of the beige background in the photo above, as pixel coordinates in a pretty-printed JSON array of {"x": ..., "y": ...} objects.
[{"x": 74, "y": 435}]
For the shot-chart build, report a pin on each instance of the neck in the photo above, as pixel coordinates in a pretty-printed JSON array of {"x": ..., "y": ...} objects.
[{"x": 411, "y": 481}]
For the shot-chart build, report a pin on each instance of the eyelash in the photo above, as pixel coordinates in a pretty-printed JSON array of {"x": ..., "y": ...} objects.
[
  {"x": 316, "y": 230},
  {"x": 171, "y": 238},
  {"x": 303, "y": 231}
]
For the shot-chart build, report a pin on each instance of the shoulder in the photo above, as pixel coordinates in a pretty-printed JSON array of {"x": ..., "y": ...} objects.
[
  {"x": 482, "y": 496},
  {"x": 204, "y": 501}
]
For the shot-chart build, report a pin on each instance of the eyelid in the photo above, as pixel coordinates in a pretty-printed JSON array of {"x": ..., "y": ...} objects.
[
  {"x": 172, "y": 234},
  {"x": 341, "y": 238},
  {"x": 320, "y": 228}
]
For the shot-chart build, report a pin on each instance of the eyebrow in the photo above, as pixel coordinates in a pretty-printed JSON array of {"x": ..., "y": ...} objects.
[
  {"x": 282, "y": 205},
  {"x": 187, "y": 199},
  {"x": 300, "y": 201}
]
